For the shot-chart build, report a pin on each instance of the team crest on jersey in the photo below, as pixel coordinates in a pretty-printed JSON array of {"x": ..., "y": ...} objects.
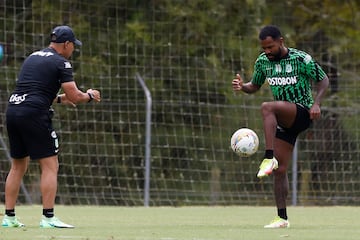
[
  {"x": 278, "y": 68},
  {"x": 67, "y": 65},
  {"x": 288, "y": 68}
]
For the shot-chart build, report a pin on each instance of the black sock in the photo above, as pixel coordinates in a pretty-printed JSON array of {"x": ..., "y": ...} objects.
[
  {"x": 49, "y": 212},
  {"x": 269, "y": 153},
  {"x": 10, "y": 212},
  {"x": 282, "y": 213}
]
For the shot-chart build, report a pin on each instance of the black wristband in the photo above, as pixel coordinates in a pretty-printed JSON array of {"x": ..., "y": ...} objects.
[
  {"x": 91, "y": 96},
  {"x": 58, "y": 99}
]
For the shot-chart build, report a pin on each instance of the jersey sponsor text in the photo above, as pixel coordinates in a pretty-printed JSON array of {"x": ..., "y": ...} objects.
[
  {"x": 42, "y": 54},
  {"x": 280, "y": 81}
]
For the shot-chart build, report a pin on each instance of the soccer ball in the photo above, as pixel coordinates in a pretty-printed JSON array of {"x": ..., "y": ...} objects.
[{"x": 244, "y": 142}]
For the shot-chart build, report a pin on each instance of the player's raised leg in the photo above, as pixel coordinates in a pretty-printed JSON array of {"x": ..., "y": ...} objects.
[{"x": 274, "y": 114}]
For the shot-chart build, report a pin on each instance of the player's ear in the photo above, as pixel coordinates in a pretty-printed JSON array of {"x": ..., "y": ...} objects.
[
  {"x": 281, "y": 40},
  {"x": 66, "y": 44}
]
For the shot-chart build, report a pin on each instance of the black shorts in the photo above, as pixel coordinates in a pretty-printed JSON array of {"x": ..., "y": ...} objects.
[
  {"x": 31, "y": 133},
  {"x": 301, "y": 123}
]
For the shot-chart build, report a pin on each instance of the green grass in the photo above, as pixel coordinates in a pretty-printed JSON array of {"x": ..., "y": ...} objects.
[{"x": 188, "y": 223}]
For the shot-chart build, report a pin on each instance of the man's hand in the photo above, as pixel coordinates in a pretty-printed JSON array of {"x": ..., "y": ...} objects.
[
  {"x": 95, "y": 94},
  {"x": 237, "y": 83},
  {"x": 315, "y": 112}
]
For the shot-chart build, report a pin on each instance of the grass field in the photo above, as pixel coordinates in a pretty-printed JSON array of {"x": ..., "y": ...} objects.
[{"x": 188, "y": 223}]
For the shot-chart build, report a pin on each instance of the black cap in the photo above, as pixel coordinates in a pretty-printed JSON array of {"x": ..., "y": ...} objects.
[{"x": 61, "y": 34}]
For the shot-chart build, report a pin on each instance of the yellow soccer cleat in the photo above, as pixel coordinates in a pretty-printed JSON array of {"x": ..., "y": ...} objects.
[
  {"x": 278, "y": 222},
  {"x": 267, "y": 166}
]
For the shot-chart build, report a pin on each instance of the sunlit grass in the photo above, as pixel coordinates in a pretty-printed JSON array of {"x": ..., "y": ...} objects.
[{"x": 188, "y": 223}]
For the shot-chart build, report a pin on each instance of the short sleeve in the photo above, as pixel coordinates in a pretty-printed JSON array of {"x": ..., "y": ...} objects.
[
  {"x": 313, "y": 69},
  {"x": 258, "y": 77},
  {"x": 66, "y": 71}
]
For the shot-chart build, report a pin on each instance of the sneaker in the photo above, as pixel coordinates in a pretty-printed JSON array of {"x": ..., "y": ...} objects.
[
  {"x": 278, "y": 222},
  {"x": 267, "y": 166},
  {"x": 11, "y": 222},
  {"x": 53, "y": 223}
]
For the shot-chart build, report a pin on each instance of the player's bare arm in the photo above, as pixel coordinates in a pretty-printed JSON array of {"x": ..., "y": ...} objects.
[
  {"x": 74, "y": 95},
  {"x": 321, "y": 86},
  {"x": 239, "y": 85}
]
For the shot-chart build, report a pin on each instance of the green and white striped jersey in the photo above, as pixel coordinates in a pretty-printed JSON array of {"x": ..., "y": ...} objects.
[{"x": 289, "y": 78}]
